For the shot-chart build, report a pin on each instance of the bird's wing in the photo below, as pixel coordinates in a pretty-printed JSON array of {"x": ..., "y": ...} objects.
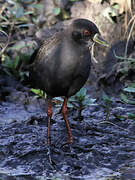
[{"x": 48, "y": 47}]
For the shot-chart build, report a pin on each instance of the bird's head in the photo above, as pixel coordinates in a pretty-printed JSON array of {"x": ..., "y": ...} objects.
[{"x": 86, "y": 33}]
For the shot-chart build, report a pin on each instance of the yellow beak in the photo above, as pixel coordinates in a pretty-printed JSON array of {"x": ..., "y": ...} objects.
[{"x": 98, "y": 39}]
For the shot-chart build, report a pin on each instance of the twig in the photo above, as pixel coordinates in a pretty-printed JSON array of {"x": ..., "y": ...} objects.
[
  {"x": 92, "y": 53},
  {"x": 108, "y": 113},
  {"x": 49, "y": 155},
  {"x": 123, "y": 58},
  {"x": 113, "y": 125},
  {"x": 131, "y": 30},
  {"x": 9, "y": 38},
  {"x": 3, "y": 8}
]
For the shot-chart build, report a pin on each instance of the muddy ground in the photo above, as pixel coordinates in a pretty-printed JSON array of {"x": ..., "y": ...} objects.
[
  {"x": 103, "y": 148},
  {"x": 100, "y": 149}
]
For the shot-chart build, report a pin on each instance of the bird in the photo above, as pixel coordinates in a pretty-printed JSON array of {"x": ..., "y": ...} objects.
[{"x": 62, "y": 64}]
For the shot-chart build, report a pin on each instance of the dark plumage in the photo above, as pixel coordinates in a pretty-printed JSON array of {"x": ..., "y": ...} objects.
[{"x": 62, "y": 64}]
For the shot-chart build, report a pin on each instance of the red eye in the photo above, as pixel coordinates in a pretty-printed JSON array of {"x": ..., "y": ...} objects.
[{"x": 86, "y": 32}]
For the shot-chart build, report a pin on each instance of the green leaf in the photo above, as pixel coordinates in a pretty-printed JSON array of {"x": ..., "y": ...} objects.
[
  {"x": 37, "y": 6},
  {"x": 11, "y": 10},
  {"x": 126, "y": 100},
  {"x": 131, "y": 115},
  {"x": 119, "y": 117},
  {"x": 70, "y": 105},
  {"x": 132, "y": 84},
  {"x": 38, "y": 92},
  {"x": 116, "y": 6},
  {"x": 19, "y": 12},
  {"x": 17, "y": 47},
  {"x": 16, "y": 62},
  {"x": 107, "y": 99},
  {"x": 26, "y": 1},
  {"x": 56, "y": 11},
  {"x": 8, "y": 62},
  {"x": 72, "y": 99},
  {"x": 81, "y": 94},
  {"x": 24, "y": 25},
  {"x": 11, "y": 64},
  {"x": 29, "y": 12},
  {"x": 59, "y": 99},
  {"x": 129, "y": 89},
  {"x": 89, "y": 102},
  {"x": 73, "y": 0},
  {"x": 4, "y": 18}
]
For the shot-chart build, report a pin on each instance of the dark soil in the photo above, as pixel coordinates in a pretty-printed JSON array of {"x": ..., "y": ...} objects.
[{"x": 100, "y": 148}]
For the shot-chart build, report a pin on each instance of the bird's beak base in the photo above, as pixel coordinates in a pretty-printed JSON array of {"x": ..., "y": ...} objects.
[{"x": 98, "y": 39}]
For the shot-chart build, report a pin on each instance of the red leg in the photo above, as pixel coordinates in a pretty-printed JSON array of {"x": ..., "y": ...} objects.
[
  {"x": 64, "y": 111},
  {"x": 49, "y": 113}
]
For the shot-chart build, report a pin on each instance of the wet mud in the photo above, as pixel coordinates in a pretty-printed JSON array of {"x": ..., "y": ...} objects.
[{"x": 101, "y": 149}]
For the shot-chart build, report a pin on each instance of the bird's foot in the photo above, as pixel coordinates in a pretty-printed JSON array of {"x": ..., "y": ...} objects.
[
  {"x": 52, "y": 163},
  {"x": 49, "y": 151},
  {"x": 68, "y": 149},
  {"x": 69, "y": 142}
]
